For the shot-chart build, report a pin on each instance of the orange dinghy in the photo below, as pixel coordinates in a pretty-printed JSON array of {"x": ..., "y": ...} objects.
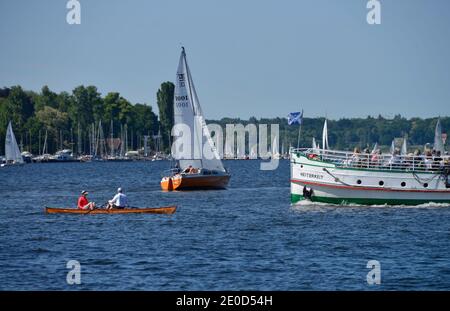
[{"x": 157, "y": 210}]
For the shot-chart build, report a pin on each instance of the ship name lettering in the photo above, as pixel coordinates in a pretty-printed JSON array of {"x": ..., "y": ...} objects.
[{"x": 309, "y": 175}]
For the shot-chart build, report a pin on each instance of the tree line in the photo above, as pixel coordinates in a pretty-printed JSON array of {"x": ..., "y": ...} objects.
[
  {"x": 67, "y": 119},
  {"x": 347, "y": 133}
]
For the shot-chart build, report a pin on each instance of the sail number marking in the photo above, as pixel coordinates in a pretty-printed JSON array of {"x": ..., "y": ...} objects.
[{"x": 182, "y": 101}]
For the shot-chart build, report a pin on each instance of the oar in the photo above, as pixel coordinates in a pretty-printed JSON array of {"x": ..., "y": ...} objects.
[{"x": 102, "y": 206}]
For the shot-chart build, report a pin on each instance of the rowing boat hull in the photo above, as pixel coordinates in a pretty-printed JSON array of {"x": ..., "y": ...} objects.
[{"x": 158, "y": 210}]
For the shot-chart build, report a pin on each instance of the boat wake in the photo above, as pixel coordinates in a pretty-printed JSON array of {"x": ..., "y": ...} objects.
[{"x": 306, "y": 204}]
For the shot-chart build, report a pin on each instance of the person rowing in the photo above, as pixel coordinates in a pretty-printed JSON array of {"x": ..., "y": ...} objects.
[
  {"x": 83, "y": 202},
  {"x": 120, "y": 200}
]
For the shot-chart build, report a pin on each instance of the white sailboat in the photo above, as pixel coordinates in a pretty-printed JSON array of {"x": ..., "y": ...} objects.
[
  {"x": 275, "y": 153},
  {"x": 392, "y": 149},
  {"x": 325, "y": 136},
  {"x": 438, "y": 143},
  {"x": 199, "y": 164},
  {"x": 374, "y": 149},
  {"x": 12, "y": 152},
  {"x": 314, "y": 144},
  {"x": 404, "y": 150}
]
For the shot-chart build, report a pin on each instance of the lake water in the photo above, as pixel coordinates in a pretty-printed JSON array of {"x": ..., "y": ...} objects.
[{"x": 247, "y": 237}]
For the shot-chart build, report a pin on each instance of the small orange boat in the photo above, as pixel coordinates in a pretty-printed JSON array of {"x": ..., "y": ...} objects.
[
  {"x": 157, "y": 210},
  {"x": 212, "y": 180}
]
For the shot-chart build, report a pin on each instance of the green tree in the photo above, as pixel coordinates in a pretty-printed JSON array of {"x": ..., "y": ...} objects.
[
  {"x": 164, "y": 98},
  {"x": 53, "y": 121},
  {"x": 46, "y": 98}
]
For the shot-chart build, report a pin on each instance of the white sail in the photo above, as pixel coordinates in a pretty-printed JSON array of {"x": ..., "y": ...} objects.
[
  {"x": 438, "y": 143},
  {"x": 314, "y": 144},
  {"x": 404, "y": 148},
  {"x": 375, "y": 148},
  {"x": 325, "y": 136},
  {"x": 392, "y": 147},
  {"x": 275, "y": 146},
  {"x": 187, "y": 111},
  {"x": 253, "y": 152},
  {"x": 12, "y": 152}
]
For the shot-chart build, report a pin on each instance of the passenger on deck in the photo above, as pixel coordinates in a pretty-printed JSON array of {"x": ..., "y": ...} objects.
[
  {"x": 375, "y": 158},
  {"x": 418, "y": 159},
  {"x": 428, "y": 160},
  {"x": 438, "y": 161},
  {"x": 365, "y": 157},
  {"x": 187, "y": 170},
  {"x": 190, "y": 170},
  {"x": 395, "y": 161},
  {"x": 356, "y": 159}
]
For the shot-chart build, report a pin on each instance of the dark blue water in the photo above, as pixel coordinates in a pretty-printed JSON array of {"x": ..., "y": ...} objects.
[{"x": 247, "y": 237}]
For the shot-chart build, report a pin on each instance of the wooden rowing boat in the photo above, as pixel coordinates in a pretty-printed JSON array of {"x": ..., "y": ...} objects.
[{"x": 156, "y": 210}]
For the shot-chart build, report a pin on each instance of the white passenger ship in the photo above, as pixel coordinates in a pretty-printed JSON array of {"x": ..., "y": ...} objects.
[{"x": 341, "y": 177}]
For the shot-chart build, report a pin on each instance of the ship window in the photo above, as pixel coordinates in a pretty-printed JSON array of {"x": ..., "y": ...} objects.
[
  {"x": 425, "y": 185},
  {"x": 301, "y": 166},
  {"x": 403, "y": 184},
  {"x": 381, "y": 183},
  {"x": 359, "y": 181}
]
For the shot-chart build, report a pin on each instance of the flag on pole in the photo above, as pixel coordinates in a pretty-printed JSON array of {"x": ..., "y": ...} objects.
[{"x": 295, "y": 118}]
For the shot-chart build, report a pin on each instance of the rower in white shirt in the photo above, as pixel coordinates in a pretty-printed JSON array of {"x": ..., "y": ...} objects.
[{"x": 119, "y": 201}]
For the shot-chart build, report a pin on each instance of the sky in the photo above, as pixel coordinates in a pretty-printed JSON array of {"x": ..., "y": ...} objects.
[{"x": 248, "y": 58}]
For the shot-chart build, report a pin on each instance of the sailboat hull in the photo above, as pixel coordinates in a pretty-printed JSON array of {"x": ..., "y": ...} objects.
[
  {"x": 11, "y": 164},
  {"x": 194, "y": 182}
]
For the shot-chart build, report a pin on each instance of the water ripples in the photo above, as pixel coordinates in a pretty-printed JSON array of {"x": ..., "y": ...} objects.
[{"x": 246, "y": 237}]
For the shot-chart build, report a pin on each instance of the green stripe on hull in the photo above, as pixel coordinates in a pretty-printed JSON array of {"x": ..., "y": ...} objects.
[
  {"x": 296, "y": 198},
  {"x": 344, "y": 201}
]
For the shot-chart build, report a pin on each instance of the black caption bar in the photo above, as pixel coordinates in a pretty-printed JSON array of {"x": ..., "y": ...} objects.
[{"x": 219, "y": 300}]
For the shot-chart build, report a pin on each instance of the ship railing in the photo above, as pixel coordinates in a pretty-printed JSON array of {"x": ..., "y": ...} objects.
[{"x": 377, "y": 161}]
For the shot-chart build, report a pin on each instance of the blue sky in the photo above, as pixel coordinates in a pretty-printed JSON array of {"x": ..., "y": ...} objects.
[{"x": 248, "y": 58}]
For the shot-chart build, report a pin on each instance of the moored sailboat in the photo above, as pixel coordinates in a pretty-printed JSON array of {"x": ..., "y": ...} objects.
[{"x": 195, "y": 169}]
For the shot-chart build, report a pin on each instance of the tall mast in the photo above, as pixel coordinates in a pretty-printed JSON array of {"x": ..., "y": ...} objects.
[
  {"x": 111, "y": 141},
  {"x": 196, "y": 113},
  {"x": 44, "y": 150},
  {"x": 79, "y": 139},
  {"x": 126, "y": 138},
  {"x": 122, "y": 142}
]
